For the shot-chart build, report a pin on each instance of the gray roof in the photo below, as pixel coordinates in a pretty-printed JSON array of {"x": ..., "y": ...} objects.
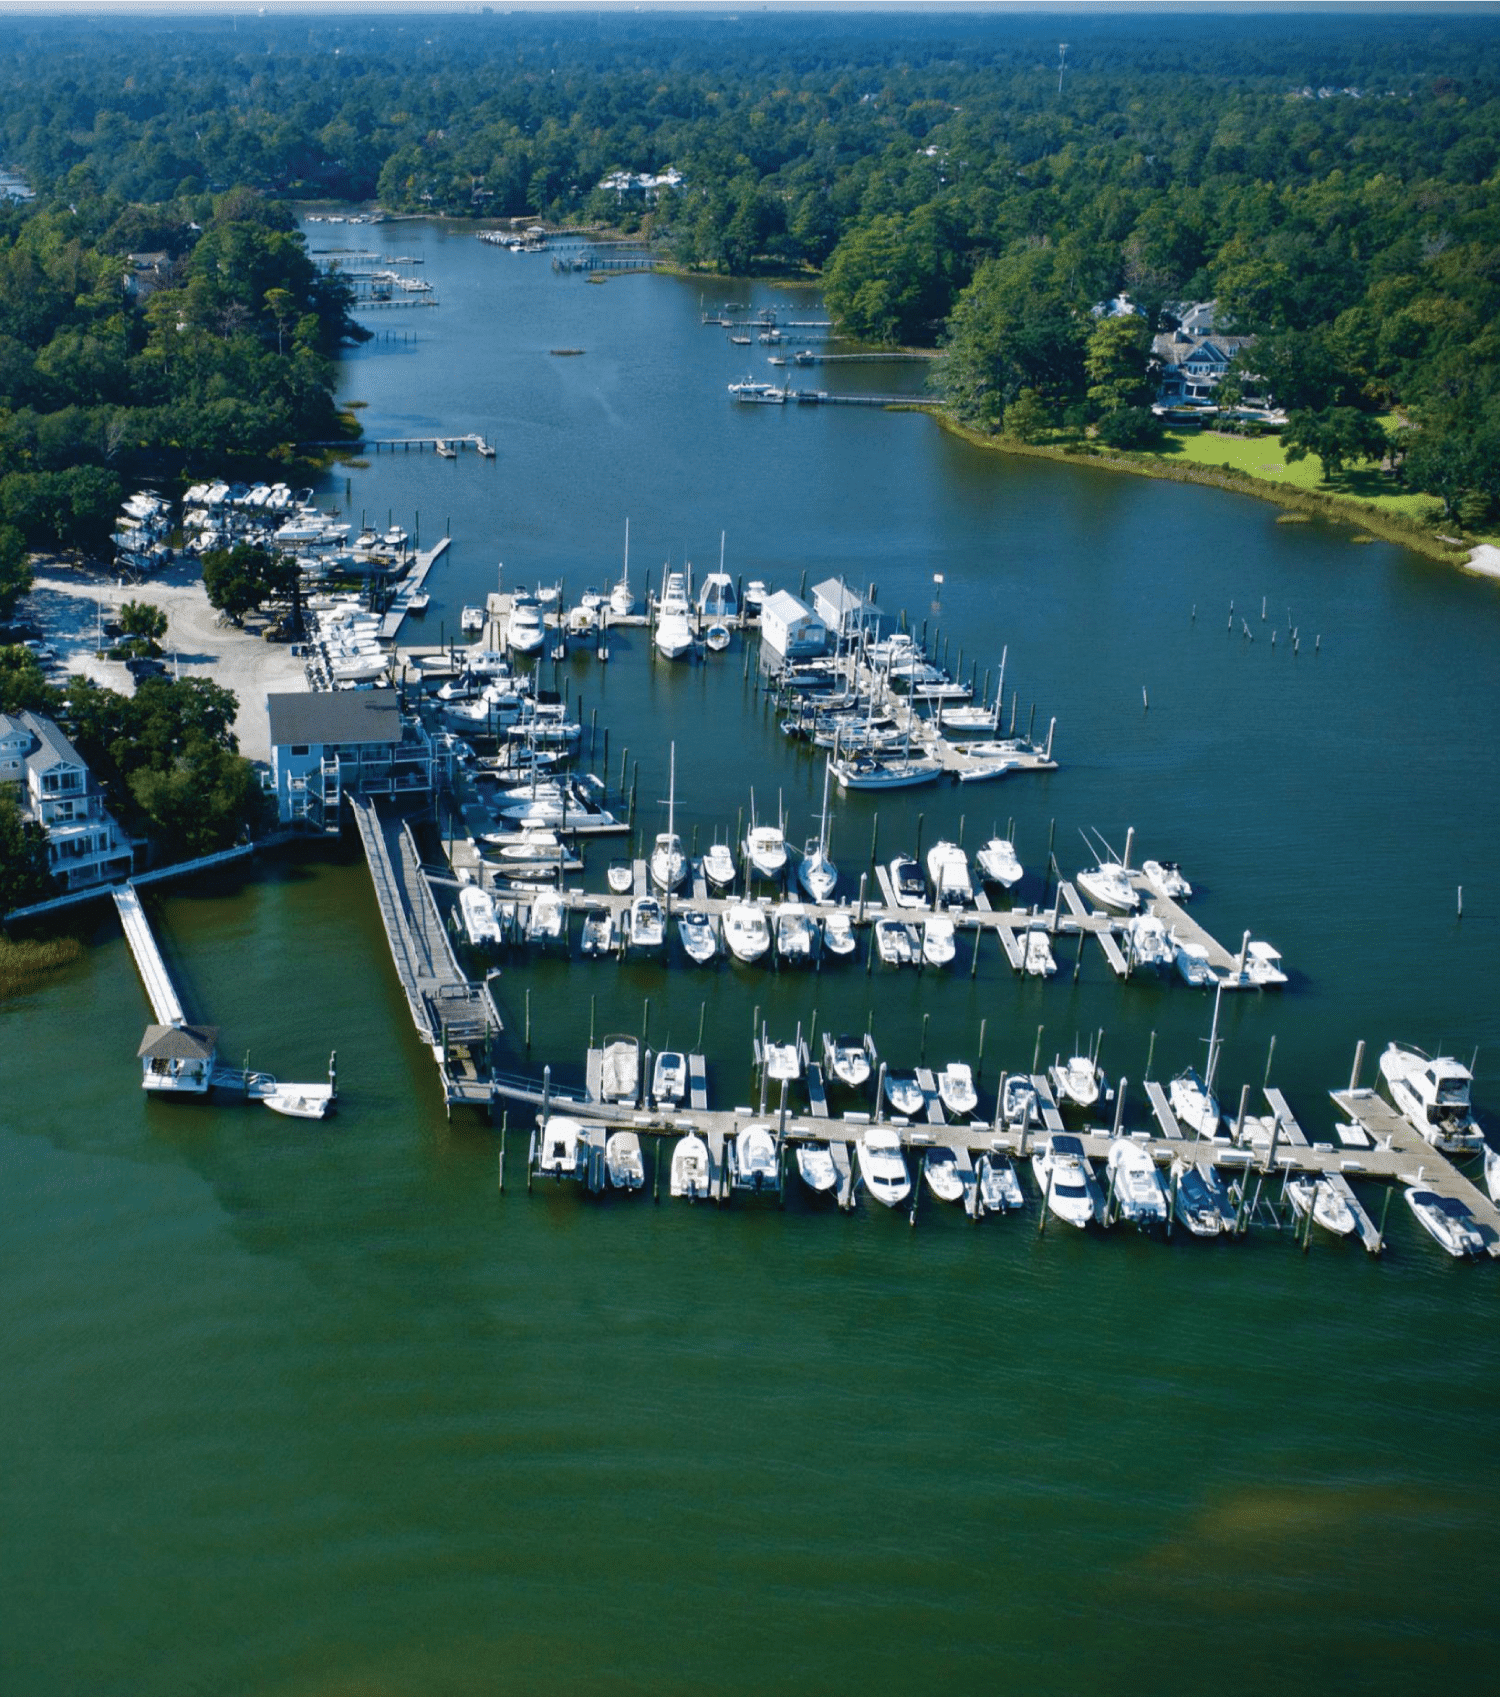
[
  {"x": 786, "y": 607},
  {"x": 52, "y": 749},
  {"x": 178, "y": 1043},
  {"x": 834, "y": 592},
  {"x": 339, "y": 715}
]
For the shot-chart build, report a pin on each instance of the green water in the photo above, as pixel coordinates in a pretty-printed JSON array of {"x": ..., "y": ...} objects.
[{"x": 297, "y": 1410}]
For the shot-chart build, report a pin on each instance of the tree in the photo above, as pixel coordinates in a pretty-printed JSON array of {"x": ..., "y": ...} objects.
[
  {"x": 1130, "y": 428},
  {"x": 15, "y": 569},
  {"x": 24, "y": 873},
  {"x": 1027, "y": 416},
  {"x": 199, "y": 802},
  {"x": 242, "y": 578},
  {"x": 1117, "y": 362},
  {"x": 23, "y": 684},
  {"x": 145, "y": 623},
  {"x": 1336, "y": 437}
]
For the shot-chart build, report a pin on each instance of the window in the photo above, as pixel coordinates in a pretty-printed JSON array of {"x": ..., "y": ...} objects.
[{"x": 300, "y": 748}]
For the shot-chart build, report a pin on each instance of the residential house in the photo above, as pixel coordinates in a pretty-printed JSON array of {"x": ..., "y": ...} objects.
[
  {"x": 85, "y": 846},
  {"x": 1191, "y": 359},
  {"x": 325, "y": 743}
]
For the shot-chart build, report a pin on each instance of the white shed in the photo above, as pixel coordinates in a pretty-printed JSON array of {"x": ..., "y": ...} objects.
[
  {"x": 790, "y": 628},
  {"x": 844, "y": 610}
]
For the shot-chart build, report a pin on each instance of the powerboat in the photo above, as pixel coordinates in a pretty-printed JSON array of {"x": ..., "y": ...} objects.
[
  {"x": 1064, "y": 1178},
  {"x": 746, "y": 933},
  {"x": 1433, "y": 1095},
  {"x": 1136, "y": 1184},
  {"x": 783, "y": 1061},
  {"x": 816, "y": 872},
  {"x": 939, "y": 941},
  {"x": 940, "y": 1169},
  {"x": 765, "y": 849},
  {"x": 477, "y": 908},
  {"x": 997, "y": 862},
  {"x": 882, "y": 1166},
  {"x": 718, "y": 866},
  {"x": 1036, "y": 952},
  {"x": 645, "y": 929},
  {"x": 956, "y": 1090},
  {"x": 598, "y": 933},
  {"x": 848, "y": 1059},
  {"x": 1076, "y": 1080},
  {"x": 1020, "y": 1105},
  {"x": 755, "y": 1162},
  {"x": 1492, "y": 1173},
  {"x": 907, "y": 883},
  {"x": 796, "y": 933},
  {"x": 948, "y": 868},
  {"x": 1193, "y": 964},
  {"x": 690, "y": 1167},
  {"x": 669, "y": 1078},
  {"x": 895, "y": 942},
  {"x": 620, "y": 1070},
  {"x": 999, "y": 1184},
  {"x": 1166, "y": 879},
  {"x": 524, "y": 631},
  {"x": 622, "y": 1161},
  {"x": 1200, "y": 1200},
  {"x": 696, "y": 930},
  {"x": 838, "y": 934},
  {"x": 548, "y": 923},
  {"x": 755, "y": 597},
  {"x": 1330, "y": 1209},
  {"x": 904, "y": 1094},
  {"x": 815, "y": 1164},
  {"x": 1148, "y": 943},
  {"x": 620, "y": 877},
  {"x": 674, "y": 630},
  {"x": 1193, "y": 1102},
  {"x": 1447, "y": 1221},
  {"x": 471, "y": 621},
  {"x": 563, "y": 1152},
  {"x": 1263, "y": 968},
  {"x": 1108, "y": 885}
]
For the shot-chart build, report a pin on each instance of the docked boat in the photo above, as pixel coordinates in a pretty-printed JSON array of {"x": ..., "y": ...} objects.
[
  {"x": 1036, "y": 952},
  {"x": 999, "y": 1185},
  {"x": 1433, "y": 1095},
  {"x": 562, "y": 1151},
  {"x": 1192, "y": 963},
  {"x": 980, "y": 771},
  {"x": 699, "y": 941},
  {"x": 882, "y": 1166},
  {"x": 755, "y": 1160},
  {"x": 838, "y": 934},
  {"x": 1135, "y": 1184},
  {"x": 1193, "y": 1103},
  {"x": 1108, "y": 885},
  {"x": 524, "y": 631},
  {"x": 622, "y": 1161},
  {"x": 939, "y": 941},
  {"x": 621, "y": 595},
  {"x": 941, "y": 1170},
  {"x": 1020, "y": 1106},
  {"x": 746, "y": 933},
  {"x": 782, "y": 1061},
  {"x": 1492, "y": 1173},
  {"x": 815, "y": 1165},
  {"x": 765, "y": 851},
  {"x": 1330, "y": 1209},
  {"x": 848, "y": 1060},
  {"x": 895, "y": 943},
  {"x": 645, "y": 928},
  {"x": 548, "y": 925},
  {"x": 997, "y": 862},
  {"x": 907, "y": 883},
  {"x": 544, "y": 845},
  {"x": 1200, "y": 1200},
  {"x": 796, "y": 934},
  {"x": 948, "y": 868},
  {"x": 1263, "y": 967},
  {"x": 477, "y": 908},
  {"x": 471, "y": 621},
  {"x": 904, "y": 1094},
  {"x": 674, "y": 628},
  {"x": 956, "y": 1090},
  {"x": 866, "y": 772},
  {"x": 1064, "y": 1178},
  {"x": 816, "y": 872},
  {"x": 1147, "y": 943},
  {"x": 1447, "y": 1221},
  {"x": 669, "y": 1078},
  {"x": 716, "y": 638},
  {"x": 718, "y": 866},
  {"x": 620, "y": 1070},
  {"x": 598, "y": 933},
  {"x": 668, "y": 864},
  {"x": 691, "y": 1173},
  {"x": 1166, "y": 879},
  {"x": 620, "y": 877},
  {"x": 1076, "y": 1080}
]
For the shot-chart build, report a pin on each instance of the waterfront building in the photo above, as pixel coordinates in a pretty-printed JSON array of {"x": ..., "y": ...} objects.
[
  {"x": 790, "y": 628},
  {"x": 844, "y": 611},
  {"x": 85, "y": 845},
  {"x": 328, "y": 743}
]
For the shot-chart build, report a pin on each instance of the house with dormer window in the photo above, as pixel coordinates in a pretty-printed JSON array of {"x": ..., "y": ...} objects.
[{"x": 85, "y": 846}]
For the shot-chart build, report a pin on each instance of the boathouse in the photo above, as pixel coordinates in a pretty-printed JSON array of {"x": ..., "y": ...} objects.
[
  {"x": 179, "y": 1057},
  {"x": 790, "y": 628},
  {"x": 844, "y": 611},
  {"x": 327, "y": 743}
]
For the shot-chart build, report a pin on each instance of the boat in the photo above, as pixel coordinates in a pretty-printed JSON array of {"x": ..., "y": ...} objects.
[
  {"x": 696, "y": 929},
  {"x": 999, "y": 1184},
  {"x": 621, "y": 596},
  {"x": 296, "y": 1101},
  {"x": 882, "y": 1166},
  {"x": 477, "y": 908},
  {"x": 1148, "y": 943},
  {"x": 1194, "y": 1103},
  {"x": 1166, "y": 879},
  {"x": 690, "y": 1167},
  {"x": 669, "y": 1080},
  {"x": 940, "y": 1169},
  {"x": 716, "y": 599},
  {"x": 895, "y": 943},
  {"x": 620, "y": 1070},
  {"x": 1330, "y": 1209},
  {"x": 782, "y": 1061},
  {"x": 997, "y": 862},
  {"x": 755, "y": 1159},
  {"x": 418, "y": 602},
  {"x": 1447, "y": 1221},
  {"x": 1263, "y": 968},
  {"x": 622, "y": 1161},
  {"x": 598, "y": 933},
  {"x": 620, "y": 877},
  {"x": 816, "y": 872},
  {"x": 939, "y": 941},
  {"x": 838, "y": 934},
  {"x": 866, "y": 772},
  {"x": 755, "y": 596},
  {"x": 907, "y": 883},
  {"x": 1108, "y": 885},
  {"x": 674, "y": 630},
  {"x": 904, "y": 1094},
  {"x": 549, "y": 919},
  {"x": 1020, "y": 1106},
  {"x": 1193, "y": 964},
  {"x": 562, "y": 1151},
  {"x": 948, "y": 868},
  {"x": 815, "y": 1164},
  {"x": 718, "y": 866},
  {"x": 848, "y": 1060},
  {"x": 980, "y": 771},
  {"x": 1064, "y": 1178},
  {"x": 1036, "y": 952},
  {"x": 471, "y": 621},
  {"x": 1076, "y": 1080},
  {"x": 1200, "y": 1200},
  {"x": 668, "y": 864},
  {"x": 796, "y": 933},
  {"x": 530, "y": 845},
  {"x": 645, "y": 929},
  {"x": 524, "y": 631},
  {"x": 1492, "y": 1173},
  {"x": 765, "y": 848},
  {"x": 956, "y": 1090},
  {"x": 716, "y": 638},
  {"x": 969, "y": 720},
  {"x": 1135, "y": 1184},
  {"x": 1433, "y": 1095},
  {"x": 746, "y": 933}
]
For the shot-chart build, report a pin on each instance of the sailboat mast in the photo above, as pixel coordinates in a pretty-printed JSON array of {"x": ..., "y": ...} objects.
[
  {"x": 823, "y": 831},
  {"x": 1213, "y": 1040},
  {"x": 626, "y": 578}
]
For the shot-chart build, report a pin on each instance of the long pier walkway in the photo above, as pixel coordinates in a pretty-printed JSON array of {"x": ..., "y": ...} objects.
[{"x": 166, "y": 1007}]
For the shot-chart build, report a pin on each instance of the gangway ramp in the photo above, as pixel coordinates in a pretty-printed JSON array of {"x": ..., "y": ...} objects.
[{"x": 160, "y": 991}]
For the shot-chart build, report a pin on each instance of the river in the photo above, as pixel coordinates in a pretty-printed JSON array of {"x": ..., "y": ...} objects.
[{"x": 296, "y": 1411}]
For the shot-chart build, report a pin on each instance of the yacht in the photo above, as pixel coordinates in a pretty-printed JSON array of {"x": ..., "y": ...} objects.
[
  {"x": 1135, "y": 1183},
  {"x": 562, "y": 1152},
  {"x": 838, "y": 934},
  {"x": 848, "y": 1059},
  {"x": 956, "y": 1089},
  {"x": 755, "y": 597},
  {"x": 765, "y": 849},
  {"x": 1147, "y": 943},
  {"x": 690, "y": 1167},
  {"x": 1330, "y": 1209},
  {"x": 815, "y": 1164},
  {"x": 939, "y": 941},
  {"x": 548, "y": 924},
  {"x": 524, "y": 632},
  {"x": 668, "y": 863},
  {"x": 1446, "y": 1220},
  {"x": 948, "y": 868},
  {"x": 896, "y": 943},
  {"x": 674, "y": 630},
  {"x": 1108, "y": 885},
  {"x": 622, "y": 1161},
  {"x": 816, "y": 872},
  {"x": 1020, "y": 1105},
  {"x": 999, "y": 1185},
  {"x": 1166, "y": 879},
  {"x": 907, "y": 883},
  {"x": 1036, "y": 956},
  {"x": 718, "y": 866},
  {"x": 669, "y": 1078},
  {"x": 1076, "y": 1080},
  {"x": 755, "y": 1161},
  {"x": 1200, "y": 1200},
  {"x": 1433, "y": 1095},
  {"x": 598, "y": 933},
  {"x": 645, "y": 929},
  {"x": 621, "y": 596},
  {"x": 477, "y": 908},
  {"x": 746, "y": 933},
  {"x": 997, "y": 862},
  {"x": 941, "y": 1170},
  {"x": 882, "y": 1166},
  {"x": 620, "y": 1070},
  {"x": 696, "y": 929},
  {"x": 904, "y": 1094},
  {"x": 1064, "y": 1178},
  {"x": 796, "y": 933},
  {"x": 1492, "y": 1173}
]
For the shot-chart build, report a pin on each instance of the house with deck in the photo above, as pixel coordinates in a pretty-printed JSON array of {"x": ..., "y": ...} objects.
[
  {"x": 329, "y": 743},
  {"x": 85, "y": 845}
]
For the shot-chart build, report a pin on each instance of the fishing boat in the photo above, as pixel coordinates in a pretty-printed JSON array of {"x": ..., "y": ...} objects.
[
  {"x": 1330, "y": 1209},
  {"x": 848, "y": 1060},
  {"x": 718, "y": 866},
  {"x": 691, "y": 1173},
  {"x": 755, "y": 1159},
  {"x": 895, "y": 943},
  {"x": 1135, "y": 1184},
  {"x": 939, "y": 941},
  {"x": 941, "y": 1170},
  {"x": 765, "y": 848},
  {"x": 782, "y": 1061},
  {"x": 674, "y": 629},
  {"x": 1108, "y": 885},
  {"x": 477, "y": 908},
  {"x": 621, "y": 596},
  {"x": 1065, "y": 1179},
  {"x": 838, "y": 934},
  {"x": 1263, "y": 966},
  {"x": 598, "y": 933},
  {"x": 669, "y": 1078},
  {"x": 746, "y": 933},
  {"x": 997, "y": 862},
  {"x": 907, "y": 883},
  {"x": 815, "y": 1165},
  {"x": 548, "y": 924},
  {"x": 696, "y": 929},
  {"x": 1447, "y": 1221},
  {"x": 816, "y": 872},
  {"x": 796, "y": 934},
  {"x": 999, "y": 1185},
  {"x": 622, "y": 1161},
  {"x": 1193, "y": 963},
  {"x": 620, "y": 1070},
  {"x": 755, "y": 596},
  {"x": 948, "y": 868},
  {"x": 1036, "y": 952},
  {"x": 645, "y": 928},
  {"x": 668, "y": 864},
  {"x": 904, "y": 1094},
  {"x": 882, "y": 1166},
  {"x": 1166, "y": 879},
  {"x": 1076, "y": 1080},
  {"x": 956, "y": 1090},
  {"x": 418, "y": 602},
  {"x": 471, "y": 621},
  {"x": 620, "y": 877},
  {"x": 1432, "y": 1093},
  {"x": 524, "y": 631},
  {"x": 1020, "y": 1106},
  {"x": 1147, "y": 943},
  {"x": 1200, "y": 1200},
  {"x": 562, "y": 1152}
]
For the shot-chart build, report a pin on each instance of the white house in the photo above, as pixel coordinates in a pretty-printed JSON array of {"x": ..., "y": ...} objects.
[
  {"x": 790, "y": 628},
  {"x": 843, "y": 610},
  {"x": 84, "y": 844},
  {"x": 326, "y": 742}
]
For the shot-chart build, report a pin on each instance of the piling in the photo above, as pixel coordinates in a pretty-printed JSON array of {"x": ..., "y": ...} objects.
[
  {"x": 1270, "y": 1056},
  {"x": 874, "y": 836},
  {"x": 1359, "y": 1061},
  {"x": 1119, "y": 1106},
  {"x": 1036, "y": 1053},
  {"x": 528, "y": 1019},
  {"x": 1239, "y": 1118},
  {"x": 1150, "y": 1055},
  {"x": 974, "y": 958},
  {"x": 504, "y": 1124}
]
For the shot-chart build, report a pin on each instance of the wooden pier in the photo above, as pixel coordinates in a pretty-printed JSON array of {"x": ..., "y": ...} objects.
[{"x": 166, "y": 1007}]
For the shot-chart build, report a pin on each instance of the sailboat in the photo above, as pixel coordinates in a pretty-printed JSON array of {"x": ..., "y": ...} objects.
[
  {"x": 621, "y": 597},
  {"x": 817, "y": 874},
  {"x": 1192, "y": 1098},
  {"x": 668, "y": 862}
]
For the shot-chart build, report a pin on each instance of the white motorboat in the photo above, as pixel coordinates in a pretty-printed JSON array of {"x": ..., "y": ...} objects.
[
  {"x": 1064, "y": 1178},
  {"x": 1020, "y": 1105},
  {"x": 904, "y": 1094},
  {"x": 668, "y": 864},
  {"x": 746, "y": 931},
  {"x": 895, "y": 943},
  {"x": 1193, "y": 964},
  {"x": 548, "y": 924},
  {"x": 418, "y": 602},
  {"x": 598, "y": 933},
  {"x": 699, "y": 941},
  {"x": 755, "y": 597},
  {"x": 1433, "y": 1094},
  {"x": 941, "y": 1170},
  {"x": 471, "y": 621},
  {"x": 296, "y": 1101},
  {"x": 816, "y": 872},
  {"x": 1447, "y": 1221},
  {"x": 865, "y": 772},
  {"x": 620, "y": 877},
  {"x": 939, "y": 941},
  {"x": 1076, "y": 1080},
  {"x": 997, "y": 862},
  {"x": 838, "y": 934},
  {"x": 487, "y": 663},
  {"x": 716, "y": 638},
  {"x": 882, "y": 1166},
  {"x": 848, "y": 1060},
  {"x": 529, "y": 845},
  {"x": 524, "y": 631},
  {"x": 999, "y": 1184},
  {"x": 620, "y": 1070},
  {"x": 691, "y": 1173},
  {"x": 622, "y": 1161},
  {"x": 562, "y": 1151},
  {"x": 669, "y": 1078},
  {"x": 765, "y": 850},
  {"x": 969, "y": 721},
  {"x": 815, "y": 1164},
  {"x": 1036, "y": 952},
  {"x": 1145, "y": 942},
  {"x": 1330, "y": 1209},
  {"x": 755, "y": 1160},
  {"x": 981, "y": 771},
  {"x": 718, "y": 866},
  {"x": 1108, "y": 885},
  {"x": 956, "y": 1089},
  {"x": 1136, "y": 1184},
  {"x": 1263, "y": 967},
  {"x": 621, "y": 596},
  {"x": 477, "y": 908},
  {"x": 948, "y": 868},
  {"x": 782, "y": 1061},
  {"x": 1194, "y": 1103},
  {"x": 1492, "y": 1173},
  {"x": 645, "y": 928},
  {"x": 796, "y": 934},
  {"x": 674, "y": 628},
  {"x": 1200, "y": 1200},
  {"x": 907, "y": 883},
  {"x": 1166, "y": 879}
]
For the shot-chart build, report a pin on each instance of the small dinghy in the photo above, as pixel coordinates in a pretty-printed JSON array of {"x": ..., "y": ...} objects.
[{"x": 716, "y": 638}]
